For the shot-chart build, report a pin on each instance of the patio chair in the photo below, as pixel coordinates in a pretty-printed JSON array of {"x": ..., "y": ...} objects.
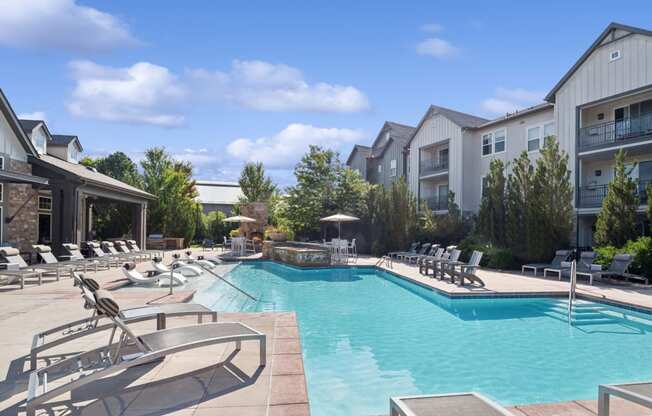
[
  {"x": 108, "y": 247},
  {"x": 560, "y": 255},
  {"x": 440, "y": 266},
  {"x": 199, "y": 261},
  {"x": 133, "y": 246},
  {"x": 421, "y": 251},
  {"x": 451, "y": 404},
  {"x": 121, "y": 248},
  {"x": 618, "y": 268},
  {"x": 584, "y": 265},
  {"x": 412, "y": 250},
  {"x": 431, "y": 263},
  {"x": 75, "y": 254},
  {"x": 96, "y": 364},
  {"x": 415, "y": 258},
  {"x": 62, "y": 334},
  {"x": 159, "y": 279},
  {"x": 423, "y": 261},
  {"x": 185, "y": 270},
  {"x": 16, "y": 268},
  {"x": 639, "y": 393},
  {"x": 466, "y": 270},
  {"x": 44, "y": 253}
]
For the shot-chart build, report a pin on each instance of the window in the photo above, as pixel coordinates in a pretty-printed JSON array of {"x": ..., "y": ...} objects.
[
  {"x": 487, "y": 142},
  {"x": 73, "y": 153},
  {"x": 38, "y": 138},
  {"x": 499, "y": 141},
  {"x": 2, "y": 194},
  {"x": 380, "y": 168},
  {"x": 2, "y": 221},
  {"x": 483, "y": 185},
  {"x": 45, "y": 203},
  {"x": 392, "y": 167},
  {"x": 533, "y": 138},
  {"x": 548, "y": 131}
]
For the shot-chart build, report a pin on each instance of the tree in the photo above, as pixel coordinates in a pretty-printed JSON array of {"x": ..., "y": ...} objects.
[
  {"x": 616, "y": 223},
  {"x": 256, "y": 187},
  {"x": 648, "y": 193},
  {"x": 449, "y": 228},
  {"x": 491, "y": 217},
  {"x": 551, "y": 213},
  {"x": 402, "y": 214},
  {"x": 217, "y": 229},
  {"x": 113, "y": 219},
  {"x": 518, "y": 206}
]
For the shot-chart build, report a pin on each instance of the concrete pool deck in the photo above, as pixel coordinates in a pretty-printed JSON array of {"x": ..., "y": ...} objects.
[{"x": 212, "y": 380}]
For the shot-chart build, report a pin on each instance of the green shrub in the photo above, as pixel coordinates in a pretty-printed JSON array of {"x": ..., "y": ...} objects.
[
  {"x": 492, "y": 257},
  {"x": 640, "y": 249}
]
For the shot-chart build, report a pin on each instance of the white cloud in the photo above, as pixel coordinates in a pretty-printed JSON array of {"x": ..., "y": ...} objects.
[
  {"x": 142, "y": 93},
  {"x": 60, "y": 24},
  {"x": 439, "y": 48},
  {"x": 265, "y": 86},
  {"x": 284, "y": 149},
  {"x": 432, "y": 28},
  {"x": 510, "y": 100},
  {"x": 36, "y": 115}
]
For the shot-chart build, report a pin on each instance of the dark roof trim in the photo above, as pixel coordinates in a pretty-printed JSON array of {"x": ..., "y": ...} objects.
[
  {"x": 355, "y": 149},
  {"x": 65, "y": 140},
  {"x": 463, "y": 120},
  {"x": 595, "y": 45},
  {"x": 15, "y": 177},
  {"x": 14, "y": 123}
]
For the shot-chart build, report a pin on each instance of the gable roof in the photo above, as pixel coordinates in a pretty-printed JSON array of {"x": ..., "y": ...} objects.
[
  {"x": 65, "y": 140},
  {"x": 463, "y": 120},
  {"x": 400, "y": 132},
  {"x": 365, "y": 151},
  {"x": 517, "y": 114},
  {"x": 29, "y": 125},
  {"x": 89, "y": 175},
  {"x": 14, "y": 123},
  {"x": 610, "y": 30}
]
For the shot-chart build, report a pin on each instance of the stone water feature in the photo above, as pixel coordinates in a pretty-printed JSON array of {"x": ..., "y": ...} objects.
[{"x": 297, "y": 254}]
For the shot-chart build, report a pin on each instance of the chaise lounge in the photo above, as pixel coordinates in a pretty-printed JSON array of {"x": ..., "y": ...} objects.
[
  {"x": 452, "y": 404},
  {"x": 560, "y": 256},
  {"x": 639, "y": 393},
  {"x": 98, "y": 363}
]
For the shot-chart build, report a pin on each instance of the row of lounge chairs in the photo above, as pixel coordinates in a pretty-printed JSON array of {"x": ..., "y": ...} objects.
[
  {"x": 560, "y": 265},
  {"x": 125, "y": 349},
  {"x": 104, "y": 255},
  {"x": 475, "y": 404},
  {"x": 444, "y": 263}
]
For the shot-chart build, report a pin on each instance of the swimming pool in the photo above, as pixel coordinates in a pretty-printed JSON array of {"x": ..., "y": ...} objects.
[{"x": 368, "y": 335}]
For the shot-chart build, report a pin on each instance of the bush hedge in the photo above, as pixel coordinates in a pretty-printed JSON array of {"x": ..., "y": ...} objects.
[{"x": 640, "y": 249}]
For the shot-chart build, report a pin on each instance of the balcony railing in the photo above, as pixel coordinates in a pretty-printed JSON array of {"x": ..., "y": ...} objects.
[
  {"x": 430, "y": 166},
  {"x": 437, "y": 202},
  {"x": 592, "y": 196},
  {"x": 615, "y": 132}
]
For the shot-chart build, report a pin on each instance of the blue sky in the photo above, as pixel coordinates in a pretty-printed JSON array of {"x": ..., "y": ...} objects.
[{"x": 221, "y": 83}]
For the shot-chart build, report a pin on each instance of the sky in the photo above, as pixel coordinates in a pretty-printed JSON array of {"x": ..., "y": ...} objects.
[{"x": 222, "y": 83}]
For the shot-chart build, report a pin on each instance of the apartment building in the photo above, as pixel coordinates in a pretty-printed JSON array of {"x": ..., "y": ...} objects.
[
  {"x": 602, "y": 104},
  {"x": 385, "y": 161}
]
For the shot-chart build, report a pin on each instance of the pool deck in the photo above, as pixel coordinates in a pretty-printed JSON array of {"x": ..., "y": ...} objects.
[{"x": 213, "y": 380}]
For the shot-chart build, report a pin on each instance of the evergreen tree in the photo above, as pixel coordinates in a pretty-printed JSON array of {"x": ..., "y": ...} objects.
[
  {"x": 550, "y": 217},
  {"x": 518, "y": 206},
  {"x": 616, "y": 223},
  {"x": 491, "y": 217},
  {"x": 256, "y": 187}
]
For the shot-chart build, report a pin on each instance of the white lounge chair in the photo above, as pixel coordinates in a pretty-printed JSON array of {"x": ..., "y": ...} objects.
[
  {"x": 133, "y": 246},
  {"x": 639, "y": 393},
  {"x": 452, "y": 404},
  {"x": 89, "y": 366},
  {"x": 200, "y": 261},
  {"x": 159, "y": 279},
  {"x": 185, "y": 270},
  {"x": 560, "y": 256},
  {"x": 96, "y": 249},
  {"x": 62, "y": 334},
  {"x": 16, "y": 269}
]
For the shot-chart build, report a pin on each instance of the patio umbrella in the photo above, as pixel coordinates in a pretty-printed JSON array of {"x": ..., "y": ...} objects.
[
  {"x": 239, "y": 218},
  {"x": 339, "y": 219}
]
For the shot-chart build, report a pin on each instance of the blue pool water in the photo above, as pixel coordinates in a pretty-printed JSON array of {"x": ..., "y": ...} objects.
[{"x": 368, "y": 335}]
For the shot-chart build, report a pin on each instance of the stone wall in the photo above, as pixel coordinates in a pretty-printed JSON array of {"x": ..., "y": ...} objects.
[
  {"x": 257, "y": 211},
  {"x": 22, "y": 232}
]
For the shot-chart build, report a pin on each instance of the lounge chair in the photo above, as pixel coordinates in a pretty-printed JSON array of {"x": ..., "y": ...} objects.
[
  {"x": 18, "y": 269},
  {"x": 120, "y": 248},
  {"x": 416, "y": 257},
  {"x": 412, "y": 250},
  {"x": 73, "y": 330},
  {"x": 199, "y": 261},
  {"x": 439, "y": 266},
  {"x": 133, "y": 246},
  {"x": 560, "y": 255},
  {"x": 451, "y": 404},
  {"x": 421, "y": 251},
  {"x": 466, "y": 270},
  {"x": 431, "y": 263},
  {"x": 639, "y": 393},
  {"x": 101, "y": 362},
  {"x": 159, "y": 279},
  {"x": 424, "y": 261},
  {"x": 44, "y": 253},
  {"x": 186, "y": 270},
  {"x": 618, "y": 269},
  {"x": 585, "y": 267},
  {"x": 75, "y": 254}
]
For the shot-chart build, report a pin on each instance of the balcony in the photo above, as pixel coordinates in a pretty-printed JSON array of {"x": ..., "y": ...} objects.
[
  {"x": 437, "y": 202},
  {"x": 615, "y": 133},
  {"x": 431, "y": 166},
  {"x": 592, "y": 196}
]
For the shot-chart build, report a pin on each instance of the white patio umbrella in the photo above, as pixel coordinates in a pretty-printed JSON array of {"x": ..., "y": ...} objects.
[
  {"x": 239, "y": 218},
  {"x": 339, "y": 219}
]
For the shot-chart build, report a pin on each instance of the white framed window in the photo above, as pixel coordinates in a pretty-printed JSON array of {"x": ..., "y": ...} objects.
[
  {"x": 548, "y": 131},
  {"x": 380, "y": 168},
  {"x": 392, "y": 167},
  {"x": 73, "y": 153},
  {"x": 499, "y": 141},
  {"x": 483, "y": 185},
  {"x": 537, "y": 135},
  {"x": 487, "y": 144},
  {"x": 39, "y": 141},
  {"x": 45, "y": 203}
]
